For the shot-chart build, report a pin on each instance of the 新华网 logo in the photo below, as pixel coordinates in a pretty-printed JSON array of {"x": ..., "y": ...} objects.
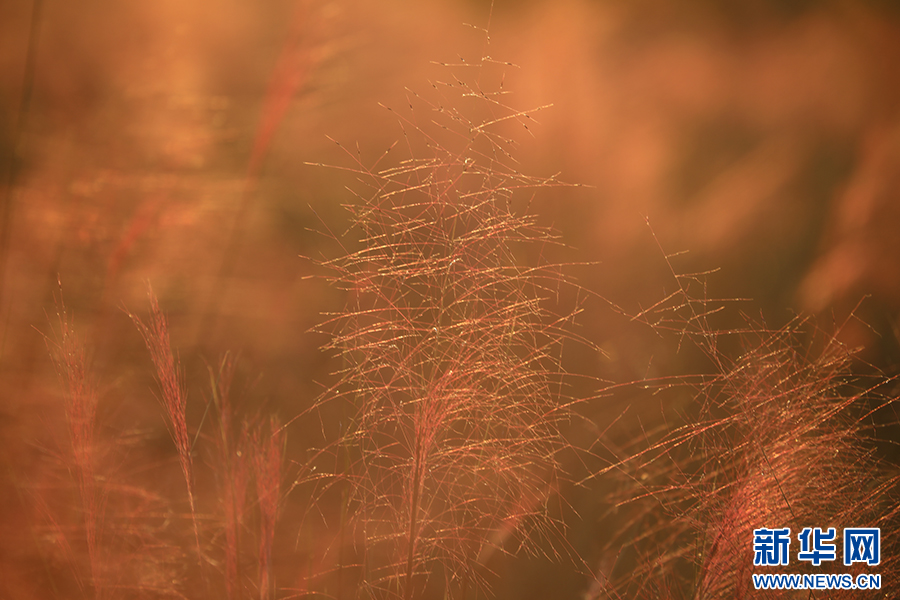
[{"x": 860, "y": 545}]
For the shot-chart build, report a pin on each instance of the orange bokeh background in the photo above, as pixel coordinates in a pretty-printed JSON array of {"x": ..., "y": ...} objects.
[{"x": 171, "y": 143}]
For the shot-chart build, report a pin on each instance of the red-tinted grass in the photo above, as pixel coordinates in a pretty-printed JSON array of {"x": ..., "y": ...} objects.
[
  {"x": 450, "y": 350},
  {"x": 69, "y": 355},
  {"x": 778, "y": 434},
  {"x": 174, "y": 396},
  {"x": 234, "y": 477},
  {"x": 268, "y": 459}
]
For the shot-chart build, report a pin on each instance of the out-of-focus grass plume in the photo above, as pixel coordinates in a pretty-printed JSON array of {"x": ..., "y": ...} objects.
[{"x": 182, "y": 144}]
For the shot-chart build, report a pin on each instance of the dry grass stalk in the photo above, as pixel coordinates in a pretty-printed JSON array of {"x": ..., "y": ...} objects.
[
  {"x": 780, "y": 436},
  {"x": 69, "y": 355},
  {"x": 268, "y": 461},
  {"x": 450, "y": 354},
  {"x": 235, "y": 475},
  {"x": 247, "y": 450},
  {"x": 174, "y": 396}
]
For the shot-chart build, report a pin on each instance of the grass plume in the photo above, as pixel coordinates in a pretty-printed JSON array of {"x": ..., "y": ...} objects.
[
  {"x": 174, "y": 395},
  {"x": 235, "y": 471},
  {"x": 69, "y": 355},
  {"x": 268, "y": 463},
  {"x": 450, "y": 355},
  {"x": 779, "y": 433}
]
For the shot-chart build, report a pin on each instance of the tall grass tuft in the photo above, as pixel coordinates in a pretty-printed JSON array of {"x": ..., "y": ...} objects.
[
  {"x": 268, "y": 464},
  {"x": 450, "y": 350},
  {"x": 69, "y": 355},
  {"x": 174, "y": 396},
  {"x": 234, "y": 478},
  {"x": 249, "y": 450},
  {"x": 778, "y": 433}
]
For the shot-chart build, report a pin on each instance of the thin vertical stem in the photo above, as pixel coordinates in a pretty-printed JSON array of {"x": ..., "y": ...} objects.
[{"x": 413, "y": 517}]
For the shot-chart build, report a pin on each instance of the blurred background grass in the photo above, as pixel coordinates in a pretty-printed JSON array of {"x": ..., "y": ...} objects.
[{"x": 167, "y": 142}]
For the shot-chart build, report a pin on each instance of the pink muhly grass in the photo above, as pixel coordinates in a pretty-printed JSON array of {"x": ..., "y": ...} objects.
[
  {"x": 69, "y": 355},
  {"x": 792, "y": 449},
  {"x": 235, "y": 476},
  {"x": 268, "y": 460},
  {"x": 450, "y": 355},
  {"x": 174, "y": 397},
  {"x": 252, "y": 452},
  {"x": 777, "y": 436},
  {"x": 455, "y": 420}
]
